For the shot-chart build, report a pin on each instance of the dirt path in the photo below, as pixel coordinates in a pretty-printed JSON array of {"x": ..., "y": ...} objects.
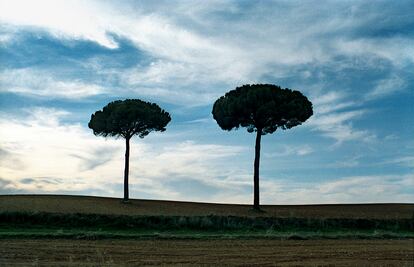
[{"x": 19, "y": 252}]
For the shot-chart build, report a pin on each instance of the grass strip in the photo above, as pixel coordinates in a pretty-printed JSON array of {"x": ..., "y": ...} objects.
[
  {"x": 93, "y": 226},
  {"x": 210, "y": 223},
  {"x": 282, "y": 235}
]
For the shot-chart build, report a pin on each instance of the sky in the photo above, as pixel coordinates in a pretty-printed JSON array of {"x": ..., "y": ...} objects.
[{"x": 60, "y": 61}]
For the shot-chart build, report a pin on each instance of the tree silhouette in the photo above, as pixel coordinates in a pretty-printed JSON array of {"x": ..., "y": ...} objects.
[
  {"x": 262, "y": 108},
  {"x": 126, "y": 118}
]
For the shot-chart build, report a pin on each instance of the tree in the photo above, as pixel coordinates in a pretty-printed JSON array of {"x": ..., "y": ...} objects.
[
  {"x": 261, "y": 108},
  {"x": 126, "y": 118}
]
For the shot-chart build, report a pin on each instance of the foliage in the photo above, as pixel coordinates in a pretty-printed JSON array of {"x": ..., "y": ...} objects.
[
  {"x": 261, "y": 106},
  {"x": 129, "y": 117}
]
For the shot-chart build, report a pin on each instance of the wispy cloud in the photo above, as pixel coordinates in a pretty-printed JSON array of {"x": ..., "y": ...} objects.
[
  {"x": 94, "y": 158},
  {"x": 386, "y": 87},
  {"x": 37, "y": 83},
  {"x": 291, "y": 150},
  {"x": 334, "y": 115},
  {"x": 353, "y": 189},
  {"x": 406, "y": 161}
]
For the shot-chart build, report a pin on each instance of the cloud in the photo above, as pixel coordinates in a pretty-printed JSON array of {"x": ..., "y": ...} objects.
[
  {"x": 394, "y": 48},
  {"x": 78, "y": 161},
  {"x": 43, "y": 143},
  {"x": 31, "y": 82},
  {"x": 75, "y": 19},
  {"x": 94, "y": 158},
  {"x": 201, "y": 51},
  {"x": 11, "y": 160},
  {"x": 353, "y": 189},
  {"x": 200, "y": 163},
  {"x": 302, "y": 150},
  {"x": 175, "y": 82},
  {"x": 96, "y": 21},
  {"x": 333, "y": 118},
  {"x": 67, "y": 158},
  {"x": 6, "y": 38},
  {"x": 338, "y": 127},
  {"x": 386, "y": 87},
  {"x": 406, "y": 161},
  {"x": 6, "y": 187}
]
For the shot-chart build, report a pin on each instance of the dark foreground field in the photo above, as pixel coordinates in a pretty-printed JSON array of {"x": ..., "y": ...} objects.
[
  {"x": 105, "y": 218},
  {"x": 26, "y": 252},
  {"x": 93, "y": 231}
]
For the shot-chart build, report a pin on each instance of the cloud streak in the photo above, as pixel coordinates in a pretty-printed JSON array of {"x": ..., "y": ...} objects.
[
  {"x": 36, "y": 83},
  {"x": 333, "y": 118},
  {"x": 353, "y": 189}
]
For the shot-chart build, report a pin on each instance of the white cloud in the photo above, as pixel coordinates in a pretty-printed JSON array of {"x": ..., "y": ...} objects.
[
  {"x": 5, "y": 39},
  {"x": 331, "y": 101},
  {"x": 333, "y": 118},
  {"x": 353, "y": 189},
  {"x": 67, "y": 19},
  {"x": 395, "y": 49},
  {"x": 407, "y": 161},
  {"x": 386, "y": 87},
  {"x": 302, "y": 150},
  {"x": 43, "y": 143},
  {"x": 37, "y": 83}
]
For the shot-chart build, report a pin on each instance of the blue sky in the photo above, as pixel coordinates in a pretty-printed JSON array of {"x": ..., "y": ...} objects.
[{"x": 62, "y": 60}]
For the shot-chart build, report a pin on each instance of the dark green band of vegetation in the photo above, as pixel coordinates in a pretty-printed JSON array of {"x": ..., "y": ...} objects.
[
  {"x": 98, "y": 235},
  {"x": 212, "y": 222}
]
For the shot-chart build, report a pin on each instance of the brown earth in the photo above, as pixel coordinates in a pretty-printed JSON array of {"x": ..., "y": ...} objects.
[
  {"x": 19, "y": 252},
  {"x": 102, "y": 205}
]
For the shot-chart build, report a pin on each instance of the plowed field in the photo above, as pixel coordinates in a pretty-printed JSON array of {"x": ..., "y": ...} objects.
[{"x": 22, "y": 252}]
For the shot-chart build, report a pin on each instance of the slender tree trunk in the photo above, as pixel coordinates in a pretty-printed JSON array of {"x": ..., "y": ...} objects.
[
  {"x": 256, "y": 201},
  {"x": 126, "y": 171}
]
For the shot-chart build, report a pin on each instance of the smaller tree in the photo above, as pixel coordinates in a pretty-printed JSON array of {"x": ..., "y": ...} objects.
[
  {"x": 261, "y": 108},
  {"x": 126, "y": 118}
]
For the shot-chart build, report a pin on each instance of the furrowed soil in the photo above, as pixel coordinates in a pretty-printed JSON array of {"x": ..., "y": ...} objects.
[
  {"x": 113, "y": 206},
  {"x": 61, "y": 252}
]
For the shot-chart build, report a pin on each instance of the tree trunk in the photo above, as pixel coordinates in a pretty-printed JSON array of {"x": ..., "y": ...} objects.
[
  {"x": 126, "y": 171},
  {"x": 256, "y": 201}
]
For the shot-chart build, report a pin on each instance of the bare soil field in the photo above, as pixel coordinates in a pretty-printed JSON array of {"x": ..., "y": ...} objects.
[
  {"x": 25, "y": 252},
  {"x": 113, "y": 206}
]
